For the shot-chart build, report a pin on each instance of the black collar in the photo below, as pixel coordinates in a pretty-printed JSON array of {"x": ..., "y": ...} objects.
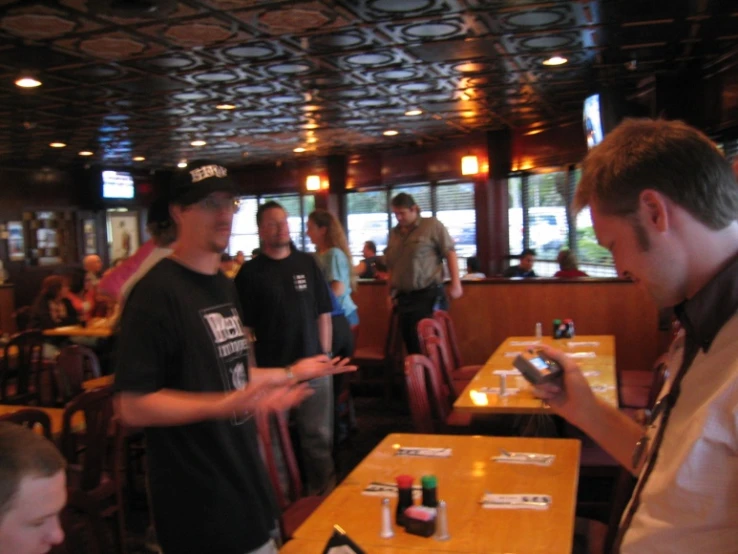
[{"x": 703, "y": 315}]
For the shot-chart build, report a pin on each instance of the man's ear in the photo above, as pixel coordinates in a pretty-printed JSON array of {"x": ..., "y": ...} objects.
[{"x": 655, "y": 207}]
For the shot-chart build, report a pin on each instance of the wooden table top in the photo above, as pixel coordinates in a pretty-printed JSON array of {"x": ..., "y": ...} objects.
[
  {"x": 594, "y": 353},
  {"x": 98, "y": 382},
  {"x": 101, "y": 331},
  {"x": 56, "y": 415},
  {"x": 302, "y": 546},
  {"x": 462, "y": 480}
]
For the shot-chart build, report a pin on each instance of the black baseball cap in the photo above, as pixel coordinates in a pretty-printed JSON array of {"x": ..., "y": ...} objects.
[{"x": 198, "y": 180}]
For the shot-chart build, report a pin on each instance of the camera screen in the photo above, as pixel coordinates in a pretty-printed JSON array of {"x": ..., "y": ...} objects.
[{"x": 540, "y": 363}]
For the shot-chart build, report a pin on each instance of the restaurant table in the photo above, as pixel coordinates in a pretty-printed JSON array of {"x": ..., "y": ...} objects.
[
  {"x": 98, "y": 382},
  {"x": 101, "y": 331},
  {"x": 463, "y": 478},
  {"x": 595, "y": 354},
  {"x": 299, "y": 546},
  {"x": 56, "y": 415}
]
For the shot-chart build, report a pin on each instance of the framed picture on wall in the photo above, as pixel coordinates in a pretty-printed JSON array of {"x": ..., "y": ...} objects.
[
  {"x": 123, "y": 237},
  {"x": 89, "y": 236},
  {"x": 16, "y": 241}
]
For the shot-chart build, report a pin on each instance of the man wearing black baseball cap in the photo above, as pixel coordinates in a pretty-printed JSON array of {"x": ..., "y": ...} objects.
[{"x": 183, "y": 374}]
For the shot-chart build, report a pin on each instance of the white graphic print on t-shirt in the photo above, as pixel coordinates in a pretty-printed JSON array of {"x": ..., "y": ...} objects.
[
  {"x": 300, "y": 282},
  {"x": 231, "y": 348}
]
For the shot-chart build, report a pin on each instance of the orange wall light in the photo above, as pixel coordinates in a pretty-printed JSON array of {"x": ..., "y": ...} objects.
[{"x": 469, "y": 165}]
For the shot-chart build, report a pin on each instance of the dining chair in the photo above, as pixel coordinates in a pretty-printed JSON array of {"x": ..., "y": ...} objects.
[
  {"x": 431, "y": 408},
  {"x": 94, "y": 455},
  {"x": 74, "y": 364},
  {"x": 21, "y": 368},
  {"x": 385, "y": 359},
  {"x": 274, "y": 438},
  {"x": 32, "y": 418}
]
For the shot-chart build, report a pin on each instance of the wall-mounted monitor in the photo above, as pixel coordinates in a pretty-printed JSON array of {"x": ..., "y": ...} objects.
[
  {"x": 593, "y": 122},
  {"x": 117, "y": 185}
]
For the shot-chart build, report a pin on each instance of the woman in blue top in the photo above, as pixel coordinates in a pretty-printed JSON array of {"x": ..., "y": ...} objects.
[{"x": 334, "y": 259}]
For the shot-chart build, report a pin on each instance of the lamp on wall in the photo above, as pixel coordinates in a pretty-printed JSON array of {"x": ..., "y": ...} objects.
[
  {"x": 469, "y": 165},
  {"x": 312, "y": 182}
]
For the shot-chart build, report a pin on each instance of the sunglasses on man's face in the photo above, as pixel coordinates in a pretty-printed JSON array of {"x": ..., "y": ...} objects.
[{"x": 215, "y": 204}]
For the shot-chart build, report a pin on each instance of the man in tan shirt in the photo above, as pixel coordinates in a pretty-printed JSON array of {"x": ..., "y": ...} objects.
[{"x": 415, "y": 253}]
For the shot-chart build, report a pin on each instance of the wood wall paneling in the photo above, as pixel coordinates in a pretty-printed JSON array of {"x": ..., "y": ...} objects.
[{"x": 490, "y": 311}]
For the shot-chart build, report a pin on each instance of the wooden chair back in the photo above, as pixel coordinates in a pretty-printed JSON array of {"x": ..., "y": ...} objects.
[
  {"x": 21, "y": 368},
  {"x": 31, "y": 418},
  {"x": 429, "y": 405},
  {"x": 273, "y": 431}
]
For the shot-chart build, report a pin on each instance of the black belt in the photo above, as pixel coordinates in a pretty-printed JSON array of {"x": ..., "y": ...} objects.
[{"x": 435, "y": 289}]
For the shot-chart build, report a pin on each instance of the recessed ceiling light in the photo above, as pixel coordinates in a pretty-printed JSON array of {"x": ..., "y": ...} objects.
[
  {"x": 198, "y": 143},
  {"x": 312, "y": 140},
  {"x": 27, "y": 82},
  {"x": 138, "y": 158},
  {"x": 225, "y": 107},
  {"x": 390, "y": 133},
  {"x": 310, "y": 126},
  {"x": 533, "y": 132},
  {"x": 85, "y": 153},
  {"x": 182, "y": 164},
  {"x": 555, "y": 60},
  {"x": 411, "y": 113},
  {"x": 57, "y": 144},
  {"x": 299, "y": 149}
]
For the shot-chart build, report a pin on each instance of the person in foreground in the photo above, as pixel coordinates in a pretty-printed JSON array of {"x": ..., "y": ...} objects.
[
  {"x": 183, "y": 374},
  {"x": 33, "y": 491},
  {"x": 664, "y": 201}
]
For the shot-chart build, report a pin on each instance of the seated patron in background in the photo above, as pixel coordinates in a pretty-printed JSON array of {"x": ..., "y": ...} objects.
[
  {"x": 525, "y": 268},
  {"x": 33, "y": 491},
  {"x": 664, "y": 201},
  {"x": 372, "y": 265},
  {"x": 238, "y": 260},
  {"x": 255, "y": 252},
  {"x": 473, "y": 269},
  {"x": 52, "y": 308},
  {"x": 568, "y": 265},
  {"x": 93, "y": 268}
]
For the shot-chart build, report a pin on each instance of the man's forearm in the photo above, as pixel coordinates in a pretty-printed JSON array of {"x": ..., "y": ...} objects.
[
  {"x": 325, "y": 332},
  {"x": 169, "y": 407},
  {"x": 453, "y": 266},
  {"x": 614, "y": 431}
]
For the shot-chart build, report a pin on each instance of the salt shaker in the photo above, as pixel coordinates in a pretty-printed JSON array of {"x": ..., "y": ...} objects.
[
  {"x": 442, "y": 522},
  {"x": 539, "y": 331},
  {"x": 386, "y": 532}
]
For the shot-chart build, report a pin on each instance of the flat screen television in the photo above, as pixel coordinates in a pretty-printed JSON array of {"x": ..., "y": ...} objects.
[
  {"x": 593, "y": 122},
  {"x": 117, "y": 185}
]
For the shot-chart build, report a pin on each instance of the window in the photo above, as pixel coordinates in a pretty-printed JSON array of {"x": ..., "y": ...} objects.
[
  {"x": 245, "y": 234},
  {"x": 538, "y": 219},
  {"x": 515, "y": 214},
  {"x": 368, "y": 219},
  {"x": 547, "y": 227},
  {"x": 370, "y": 215},
  {"x": 455, "y": 209}
]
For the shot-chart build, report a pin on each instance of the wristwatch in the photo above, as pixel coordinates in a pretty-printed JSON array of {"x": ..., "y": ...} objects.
[
  {"x": 329, "y": 354},
  {"x": 288, "y": 372}
]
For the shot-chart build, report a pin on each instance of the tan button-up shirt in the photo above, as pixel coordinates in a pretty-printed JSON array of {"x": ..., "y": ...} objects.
[{"x": 415, "y": 258}]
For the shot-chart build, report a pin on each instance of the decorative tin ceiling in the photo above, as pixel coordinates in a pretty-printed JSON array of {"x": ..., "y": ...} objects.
[{"x": 127, "y": 78}]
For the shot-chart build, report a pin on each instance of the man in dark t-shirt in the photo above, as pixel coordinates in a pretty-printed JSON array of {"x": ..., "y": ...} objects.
[
  {"x": 183, "y": 374},
  {"x": 288, "y": 310}
]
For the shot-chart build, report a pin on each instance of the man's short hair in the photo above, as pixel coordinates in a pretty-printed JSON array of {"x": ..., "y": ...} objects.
[
  {"x": 24, "y": 453},
  {"x": 528, "y": 252},
  {"x": 264, "y": 207},
  {"x": 403, "y": 200},
  {"x": 670, "y": 157},
  {"x": 371, "y": 245}
]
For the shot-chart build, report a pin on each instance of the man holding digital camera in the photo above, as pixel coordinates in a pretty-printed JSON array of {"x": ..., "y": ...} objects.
[{"x": 664, "y": 201}]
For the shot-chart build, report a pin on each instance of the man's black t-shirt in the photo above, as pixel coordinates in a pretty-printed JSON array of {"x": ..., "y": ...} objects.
[
  {"x": 182, "y": 330},
  {"x": 282, "y": 300}
]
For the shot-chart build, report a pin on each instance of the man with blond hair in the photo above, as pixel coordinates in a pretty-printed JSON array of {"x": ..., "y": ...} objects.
[{"x": 664, "y": 201}]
